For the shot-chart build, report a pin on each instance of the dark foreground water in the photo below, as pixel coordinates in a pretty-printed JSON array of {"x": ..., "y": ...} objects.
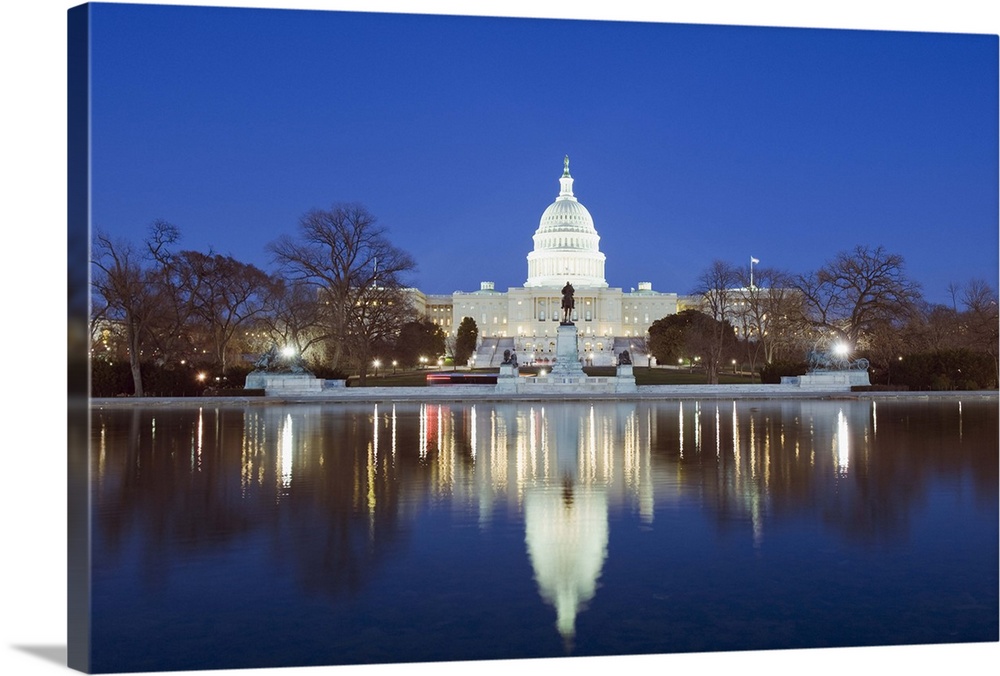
[{"x": 331, "y": 534}]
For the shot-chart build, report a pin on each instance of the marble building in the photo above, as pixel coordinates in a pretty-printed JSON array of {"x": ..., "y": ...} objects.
[{"x": 525, "y": 318}]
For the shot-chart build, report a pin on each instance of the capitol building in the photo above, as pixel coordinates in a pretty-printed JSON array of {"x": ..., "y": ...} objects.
[{"x": 525, "y": 319}]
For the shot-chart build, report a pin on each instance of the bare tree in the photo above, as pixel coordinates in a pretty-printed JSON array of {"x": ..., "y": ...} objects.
[
  {"x": 856, "y": 290},
  {"x": 357, "y": 272},
  {"x": 294, "y": 316},
  {"x": 717, "y": 288},
  {"x": 170, "y": 331},
  {"x": 765, "y": 314},
  {"x": 981, "y": 319},
  {"x": 128, "y": 283},
  {"x": 226, "y": 295}
]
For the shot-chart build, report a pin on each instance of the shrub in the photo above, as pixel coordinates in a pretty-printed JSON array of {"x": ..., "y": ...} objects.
[
  {"x": 158, "y": 380},
  {"x": 326, "y": 373},
  {"x": 947, "y": 370},
  {"x": 773, "y": 372}
]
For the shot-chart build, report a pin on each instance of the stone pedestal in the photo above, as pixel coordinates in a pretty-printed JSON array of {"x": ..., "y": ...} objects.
[
  {"x": 508, "y": 378},
  {"x": 567, "y": 353},
  {"x": 508, "y": 371},
  {"x": 625, "y": 379},
  {"x": 284, "y": 383},
  {"x": 828, "y": 380}
]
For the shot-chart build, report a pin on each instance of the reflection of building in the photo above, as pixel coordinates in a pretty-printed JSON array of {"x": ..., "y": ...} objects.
[
  {"x": 565, "y": 470},
  {"x": 566, "y": 249},
  {"x": 566, "y": 531}
]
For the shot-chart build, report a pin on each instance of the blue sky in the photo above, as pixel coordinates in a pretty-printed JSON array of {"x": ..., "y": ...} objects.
[{"x": 688, "y": 143}]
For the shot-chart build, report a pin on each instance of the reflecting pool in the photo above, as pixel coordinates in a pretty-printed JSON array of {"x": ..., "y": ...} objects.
[{"x": 274, "y": 535}]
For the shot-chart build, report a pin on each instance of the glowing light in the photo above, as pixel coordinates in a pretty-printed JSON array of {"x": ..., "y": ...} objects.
[
  {"x": 288, "y": 351},
  {"x": 841, "y": 349}
]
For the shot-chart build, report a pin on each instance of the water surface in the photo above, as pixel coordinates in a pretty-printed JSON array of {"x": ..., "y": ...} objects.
[{"x": 260, "y": 536}]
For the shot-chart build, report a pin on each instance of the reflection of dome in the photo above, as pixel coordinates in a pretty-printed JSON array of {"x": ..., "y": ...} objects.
[
  {"x": 567, "y": 536},
  {"x": 566, "y": 243}
]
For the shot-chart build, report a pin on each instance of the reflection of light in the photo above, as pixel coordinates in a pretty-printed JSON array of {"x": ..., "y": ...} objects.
[
  {"x": 472, "y": 433},
  {"x": 285, "y": 451},
  {"x": 101, "y": 456},
  {"x": 375, "y": 433},
  {"x": 498, "y": 450},
  {"x": 372, "y": 461},
  {"x": 196, "y": 451},
  {"x": 697, "y": 427},
  {"x": 422, "y": 442},
  {"x": 718, "y": 432},
  {"x": 592, "y": 447},
  {"x": 842, "y": 442},
  {"x": 440, "y": 430},
  {"x": 736, "y": 441},
  {"x": 680, "y": 428},
  {"x": 875, "y": 417}
]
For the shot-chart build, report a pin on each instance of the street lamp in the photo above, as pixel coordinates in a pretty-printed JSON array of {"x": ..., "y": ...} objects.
[
  {"x": 394, "y": 363},
  {"x": 376, "y": 364}
]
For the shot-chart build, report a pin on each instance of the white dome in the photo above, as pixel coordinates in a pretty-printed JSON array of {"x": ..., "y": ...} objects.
[
  {"x": 566, "y": 215},
  {"x": 566, "y": 243}
]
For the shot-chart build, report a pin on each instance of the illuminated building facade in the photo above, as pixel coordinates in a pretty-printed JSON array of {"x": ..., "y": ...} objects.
[{"x": 526, "y": 318}]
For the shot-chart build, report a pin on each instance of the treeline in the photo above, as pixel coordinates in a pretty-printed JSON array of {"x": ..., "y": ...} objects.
[
  {"x": 172, "y": 321},
  {"x": 860, "y": 305},
  {"x": 178, "y": 321}
]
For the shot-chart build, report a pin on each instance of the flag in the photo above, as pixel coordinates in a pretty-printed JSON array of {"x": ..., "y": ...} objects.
[{"x": 754, "y": 260}]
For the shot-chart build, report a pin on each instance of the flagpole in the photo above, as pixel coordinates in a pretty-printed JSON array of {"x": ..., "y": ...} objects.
[{"x": 752, "y": 261}]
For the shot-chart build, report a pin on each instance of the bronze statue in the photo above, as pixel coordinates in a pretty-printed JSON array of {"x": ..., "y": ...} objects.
[
  {"x": 273, "y": 361},
  {"x": 567, "y": 303},
  {"x": 624, "y": 358}
]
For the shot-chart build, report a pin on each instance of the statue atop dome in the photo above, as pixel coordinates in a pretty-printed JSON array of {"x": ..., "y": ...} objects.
[{"x": 566, "y": 166}]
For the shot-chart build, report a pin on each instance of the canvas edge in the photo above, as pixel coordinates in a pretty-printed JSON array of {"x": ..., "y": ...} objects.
[{"x": 78, "y": 253}]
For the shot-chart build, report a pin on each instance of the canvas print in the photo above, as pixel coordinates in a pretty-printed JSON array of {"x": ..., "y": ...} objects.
[{"x": 421, "y": 339}]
